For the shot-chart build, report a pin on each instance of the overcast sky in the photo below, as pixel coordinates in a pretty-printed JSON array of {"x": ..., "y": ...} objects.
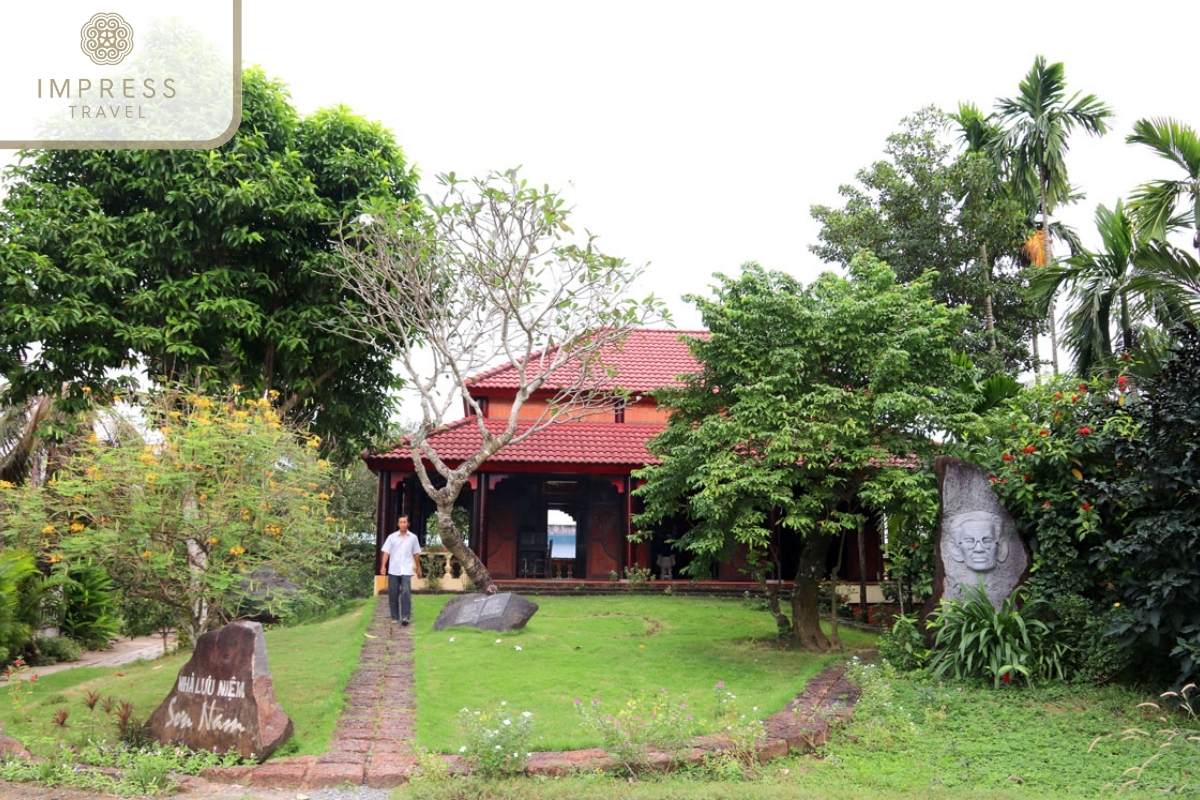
[{"x": 694, "y": 137}]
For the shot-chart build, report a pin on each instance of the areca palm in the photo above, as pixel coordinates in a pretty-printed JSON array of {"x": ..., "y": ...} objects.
[
  {"x": 1039, "y": 120},
  {"x": 980, "y": 135},
  {"x": 1154, "y": 202},
  {"x": 1120, "y": 286}
]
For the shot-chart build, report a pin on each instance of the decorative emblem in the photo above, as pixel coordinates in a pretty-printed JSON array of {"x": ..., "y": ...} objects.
[{"x": 106, "y": 39}]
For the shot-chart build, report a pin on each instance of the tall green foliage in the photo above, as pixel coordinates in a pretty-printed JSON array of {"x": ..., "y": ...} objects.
[
  {"x": 16, "y": 568},
  {"x": 816, "y": 406},
  {"x": 1038, "y": 122},
  {"x": 186, "y": 501},
  {"x": 1101, "y": 477},
  {"x": 925, "y": 207},
  {"x": 204, "y": 266},
  {"x": 1155, "y": 563}
]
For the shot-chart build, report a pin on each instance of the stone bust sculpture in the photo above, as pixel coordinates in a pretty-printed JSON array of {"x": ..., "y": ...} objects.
[{"x": 977, "y": 541}]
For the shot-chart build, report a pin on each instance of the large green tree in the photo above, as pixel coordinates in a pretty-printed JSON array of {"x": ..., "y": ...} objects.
[
  {"x": 927, "y": 207},
  {"x": 816, "y": 407},
  {"x": 1038, "y": 122},
  {"x": 206, "y": 266}
]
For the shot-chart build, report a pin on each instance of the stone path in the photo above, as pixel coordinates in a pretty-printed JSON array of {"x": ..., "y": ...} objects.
[{"x": 373, "y": 742}]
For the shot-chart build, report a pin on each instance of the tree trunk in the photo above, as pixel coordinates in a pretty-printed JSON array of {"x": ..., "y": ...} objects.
[
  {"x": 806, "y": 614},
  {"x": 988, "y": 316},
  {"x": 835, "y": 638},
  {"x": 1126, "y": 325},
  {"x": 453, "y": 542},
  {"x": 198, "y": 616},
  {"x": 772, "y": 594},
  {"x": 1046, "y": 265},
  {"x": 862, "y": 570}
]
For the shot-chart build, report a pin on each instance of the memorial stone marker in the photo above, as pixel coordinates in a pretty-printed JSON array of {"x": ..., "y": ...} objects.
[
  {"x": 978, "y": 538},
  {"x": 498, "y": 612},
  {"x": 224, "y": 697}
]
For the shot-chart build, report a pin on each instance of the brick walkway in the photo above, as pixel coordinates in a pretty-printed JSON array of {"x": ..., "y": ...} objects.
[{"x": 372, "y": 744}]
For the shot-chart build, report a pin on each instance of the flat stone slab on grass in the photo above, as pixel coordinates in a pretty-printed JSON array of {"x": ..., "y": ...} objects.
[{"x": 498, "y": 612}]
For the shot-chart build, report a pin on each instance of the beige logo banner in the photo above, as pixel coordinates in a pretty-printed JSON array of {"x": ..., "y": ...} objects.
[{"x": 133, "y": 74}]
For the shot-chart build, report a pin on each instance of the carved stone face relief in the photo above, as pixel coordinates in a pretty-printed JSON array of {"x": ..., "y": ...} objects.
[{"x": 977, "y": 541}]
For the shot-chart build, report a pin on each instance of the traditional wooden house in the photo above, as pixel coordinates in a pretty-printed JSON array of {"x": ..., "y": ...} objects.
[{"x": 558, "y": 504}]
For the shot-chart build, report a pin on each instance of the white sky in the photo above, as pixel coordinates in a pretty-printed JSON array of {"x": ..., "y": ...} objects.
[{"x": 694, "y": 137}]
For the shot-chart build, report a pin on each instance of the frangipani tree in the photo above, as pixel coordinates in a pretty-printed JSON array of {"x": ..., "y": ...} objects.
[{"x": 489, "y": 273}]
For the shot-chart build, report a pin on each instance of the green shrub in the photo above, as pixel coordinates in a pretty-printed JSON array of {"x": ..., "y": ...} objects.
[
  {"x": 497, "y": 741},
  {"x": 1094, "y": 655},
  {"x": 974, "y": 639},
  {"x": 15, "y": 568},
  {"x": 89, "y": 609},
  {"x": 56, "y": 649},
  {"x": 645, "y": 722},
  {"x": 903, "y": 646},
  {"x": 144, "y": 616}
]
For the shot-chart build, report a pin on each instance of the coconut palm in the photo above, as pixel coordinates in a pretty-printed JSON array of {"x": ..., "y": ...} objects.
[
  {"x": 1153, "y": 204},
  {"x": 1038, "y": 122}
]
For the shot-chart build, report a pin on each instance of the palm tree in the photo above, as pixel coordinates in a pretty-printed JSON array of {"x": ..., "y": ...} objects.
[
  {"x": 1039, "y": 120},
  {"x": 980, "y": 135},
  {"x": 1124, "y": 283},
  {"x": 18, "y": 437},
  {"x": 1153, "y": 203}
]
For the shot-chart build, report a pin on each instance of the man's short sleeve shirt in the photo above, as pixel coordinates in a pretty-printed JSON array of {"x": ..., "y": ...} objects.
[{"x": 401, "y": 551}]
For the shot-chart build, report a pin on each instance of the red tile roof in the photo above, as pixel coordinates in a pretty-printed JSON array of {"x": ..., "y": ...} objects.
[
  {"x": 568, "y": 443},
  {"x": 648, "y": 359}
]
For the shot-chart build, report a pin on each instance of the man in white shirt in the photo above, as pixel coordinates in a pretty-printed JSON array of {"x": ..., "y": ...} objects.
[{"x": 400, "y": 563}]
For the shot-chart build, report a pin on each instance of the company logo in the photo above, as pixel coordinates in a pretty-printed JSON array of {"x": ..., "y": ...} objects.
[{"x": 106, "y": 39}]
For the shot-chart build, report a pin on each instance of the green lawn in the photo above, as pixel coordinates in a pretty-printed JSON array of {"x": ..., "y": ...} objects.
[
  {"x": 310, "y": 665},
  {"x": 909, "y": 737},
  {"x": 912, "y": 738},
  {"x": 605, "y": 647}
]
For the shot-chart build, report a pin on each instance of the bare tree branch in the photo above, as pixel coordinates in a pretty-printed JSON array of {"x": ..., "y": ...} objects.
[{"x": 491, "y": 274}]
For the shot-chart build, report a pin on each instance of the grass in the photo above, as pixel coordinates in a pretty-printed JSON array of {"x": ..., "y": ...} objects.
[
  {"x": 310, "y": 665},
  {"x": 912, "y": 737},
  {"x": 605, "y": 647}
]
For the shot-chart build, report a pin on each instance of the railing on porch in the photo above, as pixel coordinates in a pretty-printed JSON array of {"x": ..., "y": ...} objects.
[{"x": 438, "y": 564}]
